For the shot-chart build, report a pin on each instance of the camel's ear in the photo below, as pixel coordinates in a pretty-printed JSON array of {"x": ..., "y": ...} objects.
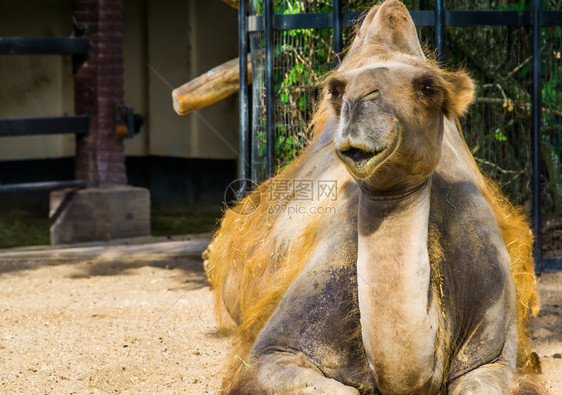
[
  {"x": 393, "y": 26},
  {"x": 460, "y": 93},
  {"x": 388, "y": 24},
  {"x": 362, "y": 30}
]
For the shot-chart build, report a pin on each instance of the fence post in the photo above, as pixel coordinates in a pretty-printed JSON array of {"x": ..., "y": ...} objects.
[
  {"x": 243, "y": 125},
  {"x": 536, "y": 135},
  {"x": 269, "y": 85},
  {"x": 336, "y": 20},
  {"x": 439, "y": 28}
]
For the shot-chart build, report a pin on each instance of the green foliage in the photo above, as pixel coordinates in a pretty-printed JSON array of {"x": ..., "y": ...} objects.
[
  {"x": 167, "y": 224},
  {"x": 21, "y": 229}
]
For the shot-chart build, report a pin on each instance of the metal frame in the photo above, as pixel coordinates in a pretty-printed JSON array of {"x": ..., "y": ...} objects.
[
  {"x": 536, "y": 135},
  {"x": 549, "y": 265},
  {"x": 78, "y": 125},
  {"x": 269, "y": 114},
  {"x": 46, "y": 186},
  {"x": 439, "y": 23},
  {"x": 44, "y": 46},
  {"x": 244, "y": 111},
  {"x": 337, "y": 23},
  {"x": 439, "y": 18},
  {"x": 256, "y": 23}
]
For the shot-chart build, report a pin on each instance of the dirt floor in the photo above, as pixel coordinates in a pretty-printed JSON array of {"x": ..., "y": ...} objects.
[
  {"x": 139, "y": 319},
  {"x": 546, "y": 331}
]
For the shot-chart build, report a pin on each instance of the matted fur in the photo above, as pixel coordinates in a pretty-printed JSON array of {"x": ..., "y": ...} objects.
[{"x": 254, "y": 258}]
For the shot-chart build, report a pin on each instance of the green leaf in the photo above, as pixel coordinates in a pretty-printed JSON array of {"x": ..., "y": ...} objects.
[{"x": 499, "y": 136}]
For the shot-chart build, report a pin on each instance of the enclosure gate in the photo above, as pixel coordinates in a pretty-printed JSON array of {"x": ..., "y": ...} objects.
[{"x": 259, "y": 23}]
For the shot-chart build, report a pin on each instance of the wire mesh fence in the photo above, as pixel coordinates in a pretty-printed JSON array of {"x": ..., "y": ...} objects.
[
  {"x": 301, "y": 58},
  {"x": 498, "y": 124},
  {"x": 551, "y": 142}
]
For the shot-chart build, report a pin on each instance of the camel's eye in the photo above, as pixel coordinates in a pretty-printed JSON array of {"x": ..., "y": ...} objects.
[
  {"x": 428, "y": 90},
  {"x": 427, "y": 85},
  {"x": 336, "y": 88},
  {"x": 372, "y": 95},
  {"x": 334, "y": 91}
]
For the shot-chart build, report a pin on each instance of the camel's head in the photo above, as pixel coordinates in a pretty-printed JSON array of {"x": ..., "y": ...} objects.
[{"x": 391, "y": 103}]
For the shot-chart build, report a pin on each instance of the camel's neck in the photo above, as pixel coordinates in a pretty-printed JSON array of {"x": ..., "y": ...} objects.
[{"x": 398, "y": 318}]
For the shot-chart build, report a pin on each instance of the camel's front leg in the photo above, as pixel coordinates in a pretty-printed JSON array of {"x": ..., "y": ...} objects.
[
  {"x": 496, "y": 376},
  {"x": 488, "y": 379},
  {"x": 311, "y": 343}
]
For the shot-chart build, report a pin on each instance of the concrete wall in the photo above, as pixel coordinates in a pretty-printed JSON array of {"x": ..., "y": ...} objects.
[
  {"x": 186, "y": 39},
  {"x": 166, "y": 44}
]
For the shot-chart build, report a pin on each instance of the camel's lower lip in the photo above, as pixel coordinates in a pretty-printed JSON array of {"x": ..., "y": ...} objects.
[{"x": 359, "y": 157}]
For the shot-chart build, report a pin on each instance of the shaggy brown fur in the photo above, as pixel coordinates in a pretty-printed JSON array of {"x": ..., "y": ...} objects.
[{"x": 254, "y": 258}]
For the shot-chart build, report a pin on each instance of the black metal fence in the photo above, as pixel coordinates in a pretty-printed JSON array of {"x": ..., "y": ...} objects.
[
  {"x": 514, "y": 129},
  {"x": 78, "y": 125}
]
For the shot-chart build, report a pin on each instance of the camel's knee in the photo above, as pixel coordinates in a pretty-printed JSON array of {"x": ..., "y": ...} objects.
[
  {"x": 494, "y": 379},
  {"x": 284, "y": 373}
]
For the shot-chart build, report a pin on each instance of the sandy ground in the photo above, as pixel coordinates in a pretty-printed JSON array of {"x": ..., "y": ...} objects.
[
  {"x": 108, "y": 325},
  {"x": 546, "y": 330},
  {"x": 106, "y": 322}
]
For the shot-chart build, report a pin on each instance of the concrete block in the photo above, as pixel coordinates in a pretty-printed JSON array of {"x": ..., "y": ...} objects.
[{"x": 99, "y": 214}]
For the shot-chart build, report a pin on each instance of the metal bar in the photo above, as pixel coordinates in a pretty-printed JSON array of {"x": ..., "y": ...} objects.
[
  {"x": 439, "y": 28},
  {"x": 44, "y": 46},
  {"x": 255, "y": 23},
  {"x": 338, "y": 39},
  {"x": 536, "y": 134},
  {"x": 550, "y": 265},
  {"x": 45, "y": 186},
  {"x": 487, "y": 18},
  {"x": 79, "y": 124},
  {"x": 551, "y": 18},
  {"x": 269, "y": 85},
  {"x": 423, "y": 18},
  {"x": 243, "y": 102},
  {"x": 420, "y": 18},
  {"x": 350, "y": 19}
]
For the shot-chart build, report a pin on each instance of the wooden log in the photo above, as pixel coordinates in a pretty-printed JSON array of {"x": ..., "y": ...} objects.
[
  {"x": 232, "y": 3},
  {"x": 209, "y": 88}
]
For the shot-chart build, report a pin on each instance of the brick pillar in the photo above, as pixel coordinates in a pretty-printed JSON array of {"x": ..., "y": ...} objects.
[
  {"x": 112, "y": 210},
  {"x": 98, "y": 86}
]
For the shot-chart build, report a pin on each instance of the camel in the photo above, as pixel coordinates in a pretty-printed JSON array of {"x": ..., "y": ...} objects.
[{"x": 420, "y": 280}]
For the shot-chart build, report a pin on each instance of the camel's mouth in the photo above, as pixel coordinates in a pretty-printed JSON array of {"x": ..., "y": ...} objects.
[
  {"x": 362, "y": 161},
  {"x": 359, "y": 157}
]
